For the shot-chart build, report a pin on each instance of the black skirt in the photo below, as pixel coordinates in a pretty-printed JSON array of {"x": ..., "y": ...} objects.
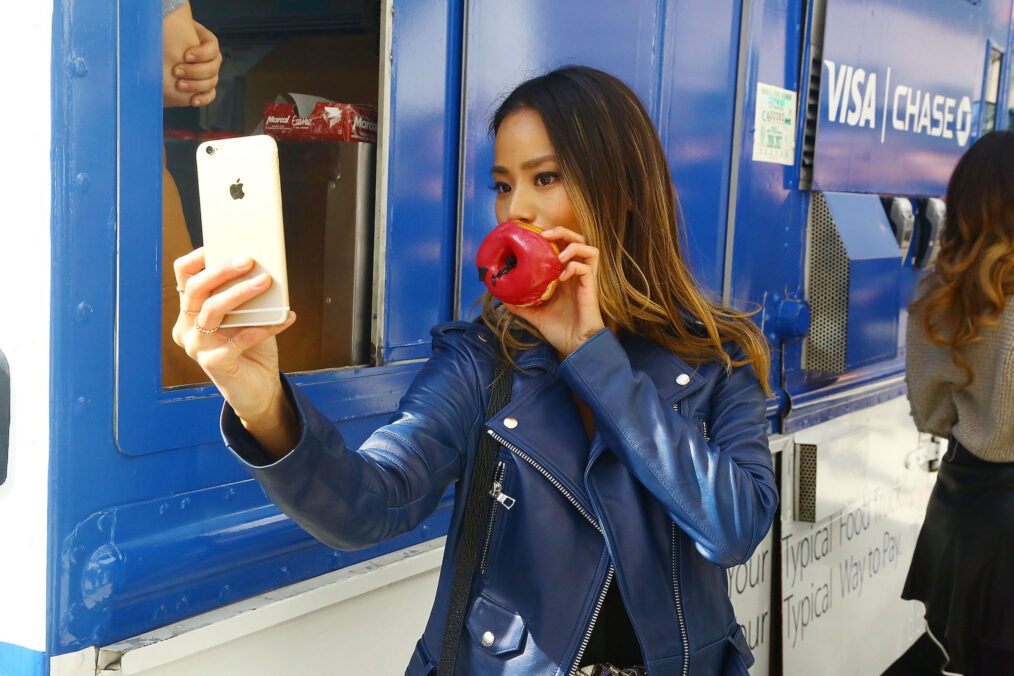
[{"x": 963, "y": 564}]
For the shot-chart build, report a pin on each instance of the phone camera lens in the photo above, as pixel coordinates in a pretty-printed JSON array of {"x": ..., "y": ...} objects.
[{"x": 210, "y": 150}]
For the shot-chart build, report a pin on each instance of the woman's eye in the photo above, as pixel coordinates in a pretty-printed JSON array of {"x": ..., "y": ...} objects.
[
  {"x": 546, "y": 178},
  {"x": 500, "y": 188}
]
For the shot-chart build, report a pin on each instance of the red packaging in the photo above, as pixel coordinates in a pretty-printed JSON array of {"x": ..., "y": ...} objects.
[{"x": 327, "y": 122}]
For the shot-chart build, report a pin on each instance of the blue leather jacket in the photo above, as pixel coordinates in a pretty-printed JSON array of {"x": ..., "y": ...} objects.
[{"x": 676, "y": 484}]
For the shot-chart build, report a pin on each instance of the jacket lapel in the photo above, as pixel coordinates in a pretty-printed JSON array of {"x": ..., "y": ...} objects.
[{"x": 542, "y": 422}]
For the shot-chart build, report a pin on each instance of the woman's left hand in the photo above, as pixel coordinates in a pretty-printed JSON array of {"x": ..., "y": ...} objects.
[{"x": 572, "y": 315}]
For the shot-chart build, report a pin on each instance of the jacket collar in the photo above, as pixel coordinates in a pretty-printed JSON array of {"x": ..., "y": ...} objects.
[{"x": 541, "y": 357}]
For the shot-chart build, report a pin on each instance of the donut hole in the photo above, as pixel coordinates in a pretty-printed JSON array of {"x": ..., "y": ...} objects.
[{"x": 509, "y": 263}]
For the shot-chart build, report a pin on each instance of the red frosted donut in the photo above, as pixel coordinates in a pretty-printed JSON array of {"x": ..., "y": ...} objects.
[{"x": 518, "y": 265}]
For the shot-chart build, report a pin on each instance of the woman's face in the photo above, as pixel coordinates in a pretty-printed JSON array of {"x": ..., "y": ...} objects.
[{"x": 526, "y": 175}]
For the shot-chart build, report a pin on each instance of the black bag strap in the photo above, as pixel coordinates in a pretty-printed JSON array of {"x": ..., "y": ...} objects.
[{"x": 471, "y": 524}]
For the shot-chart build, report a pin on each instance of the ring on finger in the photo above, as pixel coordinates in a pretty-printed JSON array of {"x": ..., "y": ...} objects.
[
  {"x": 189, "y": 312},
  {"x": 233, "y": 343},
  {"x": 203, "y": 330}
]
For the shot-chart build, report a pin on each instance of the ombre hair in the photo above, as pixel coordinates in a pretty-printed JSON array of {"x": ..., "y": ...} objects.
[
  {"x": 974, "y": 272},
  {"x": 618, "y": 181}
]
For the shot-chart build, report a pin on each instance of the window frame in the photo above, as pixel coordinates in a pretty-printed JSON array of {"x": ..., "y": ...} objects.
[{"x": 147, "y": 418}]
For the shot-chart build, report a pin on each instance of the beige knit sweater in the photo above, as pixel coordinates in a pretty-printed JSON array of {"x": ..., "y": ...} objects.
[{"x": 981, "y": 416}]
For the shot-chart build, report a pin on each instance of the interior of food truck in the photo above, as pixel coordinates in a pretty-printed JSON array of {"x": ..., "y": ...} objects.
[{"x": 292, "y": 53}]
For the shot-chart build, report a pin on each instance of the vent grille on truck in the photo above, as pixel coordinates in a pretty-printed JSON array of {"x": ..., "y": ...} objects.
[
  {"x": 828, "y": 292},
  {"x": 806, "y": 483}
]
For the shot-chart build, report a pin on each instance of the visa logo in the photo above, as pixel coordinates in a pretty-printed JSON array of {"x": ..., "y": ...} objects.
[{"x": 852, "y": 95}]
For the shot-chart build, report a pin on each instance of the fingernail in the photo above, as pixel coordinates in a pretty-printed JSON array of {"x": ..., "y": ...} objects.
[
  {"x": 182, "y": 85},
  {"x": 191, "y": 58},
  {"x": 240, "y": 262},
  {"x": 259, "y": 281},
  {"x": 180, "y": 72}
]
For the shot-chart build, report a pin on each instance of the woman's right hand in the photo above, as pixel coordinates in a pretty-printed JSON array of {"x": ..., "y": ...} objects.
[{"x": 241, "y": 362}]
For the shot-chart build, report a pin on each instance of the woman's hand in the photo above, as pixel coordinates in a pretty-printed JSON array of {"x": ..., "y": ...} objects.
[
  {"x": 241, "y": 362},
  {"x": 572, "y": 315}
]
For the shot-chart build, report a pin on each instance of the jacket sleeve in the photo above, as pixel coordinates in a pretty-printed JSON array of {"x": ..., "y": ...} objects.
[
  {"x": 720, "y": 491},
  {"x": 351, "y": 499},
  {"x": 928, "y": 377}
]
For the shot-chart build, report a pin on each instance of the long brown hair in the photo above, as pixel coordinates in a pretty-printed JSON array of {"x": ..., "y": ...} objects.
[
  {"x": 974, "y": 274},
  {"x": 617, "y": 179}
]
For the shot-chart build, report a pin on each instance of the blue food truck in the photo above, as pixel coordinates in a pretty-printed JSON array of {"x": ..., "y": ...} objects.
[{"x": 810, "y": 142}]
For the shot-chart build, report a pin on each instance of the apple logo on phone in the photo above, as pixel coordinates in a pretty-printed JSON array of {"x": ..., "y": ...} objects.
[{"x": 236, "y": 190}]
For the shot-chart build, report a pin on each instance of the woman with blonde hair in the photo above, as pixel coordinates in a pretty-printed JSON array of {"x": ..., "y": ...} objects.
[
  {"x": 960, "y": 374},
  {"x": 625, "y": 439}
]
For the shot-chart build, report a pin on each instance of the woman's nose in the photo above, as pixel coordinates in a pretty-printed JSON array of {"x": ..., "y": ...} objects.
[{"x": 521, "y": 207}]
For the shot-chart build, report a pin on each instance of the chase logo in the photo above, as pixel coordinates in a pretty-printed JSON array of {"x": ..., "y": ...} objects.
[{"x": 853, "y": 94}]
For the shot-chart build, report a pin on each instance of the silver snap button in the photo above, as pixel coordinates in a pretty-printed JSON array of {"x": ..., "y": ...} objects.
[
  {"x": 510, "y": 422},
  {"x": 682, "y": 379},
  {"x": 488, "y": 638}
]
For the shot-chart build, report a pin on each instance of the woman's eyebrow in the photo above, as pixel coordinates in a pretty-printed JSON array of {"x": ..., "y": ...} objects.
[{"x": 527, "y": 164}]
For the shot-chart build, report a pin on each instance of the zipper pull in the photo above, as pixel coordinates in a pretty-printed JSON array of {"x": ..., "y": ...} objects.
[{"x": 501, "y": 497}]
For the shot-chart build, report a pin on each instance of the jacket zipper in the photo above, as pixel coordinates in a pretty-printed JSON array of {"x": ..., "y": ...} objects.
[
  {"x": 679, "y": 601},
  {"x": 591, "y": 623},
  {"x": 499, "y": 498},
  {"x": 577, "y": 505},
  {"x": 675, "y": 572}
]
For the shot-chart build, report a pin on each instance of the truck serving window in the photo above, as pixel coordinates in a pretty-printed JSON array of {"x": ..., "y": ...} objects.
[
  {"x": 280, "y": 72},
  {"x": 370, "y": 212}
]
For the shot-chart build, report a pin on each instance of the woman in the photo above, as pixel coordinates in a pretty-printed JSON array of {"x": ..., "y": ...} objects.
[
  {"x": 633, "y": 453},
  {"x": 960, "y": 372}
]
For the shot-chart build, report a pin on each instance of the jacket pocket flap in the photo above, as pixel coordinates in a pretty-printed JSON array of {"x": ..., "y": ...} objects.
[{"x": 495, "y": 628}]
